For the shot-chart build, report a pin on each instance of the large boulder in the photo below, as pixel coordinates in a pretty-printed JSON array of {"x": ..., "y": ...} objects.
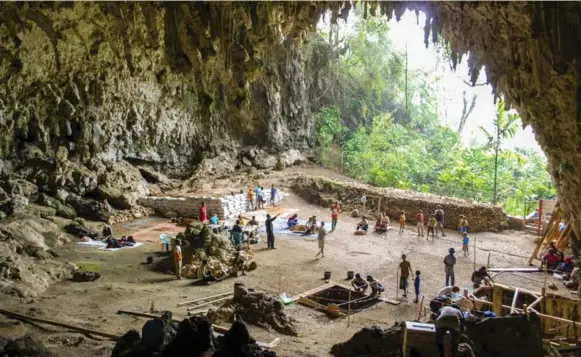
[
  {"x": 90, "y": 208},
  {"x": 62, "y": 209}
]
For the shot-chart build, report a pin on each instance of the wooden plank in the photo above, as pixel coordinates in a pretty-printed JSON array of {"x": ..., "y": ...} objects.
[
  {"x": 204, "y": 298},
  {"x": 208, "y": 303},
  {"x": 497, "y": 300},
  {"x": 516, "y": 270},
  {"x": 390, "y": 301},
  {"x": 313, "y": 291},
  {"x": 25, "y": 318},
  {"x": 311, "y": 303}
]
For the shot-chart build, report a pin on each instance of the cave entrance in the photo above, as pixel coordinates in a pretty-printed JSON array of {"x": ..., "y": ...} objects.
[{"x": 337, "y": 300}]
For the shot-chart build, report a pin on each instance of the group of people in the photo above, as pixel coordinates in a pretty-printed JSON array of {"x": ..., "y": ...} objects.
[
  {"x": 361, "y": 285},
  {"x": 256, "y": 199},
  {"x": 433, "y": 223}
]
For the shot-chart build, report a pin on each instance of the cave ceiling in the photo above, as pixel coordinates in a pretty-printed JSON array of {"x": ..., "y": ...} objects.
[{"x": 530, "y": 51}]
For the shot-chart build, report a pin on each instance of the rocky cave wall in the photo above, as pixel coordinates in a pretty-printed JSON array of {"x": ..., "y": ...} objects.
[{"x": 175, "y": 86}]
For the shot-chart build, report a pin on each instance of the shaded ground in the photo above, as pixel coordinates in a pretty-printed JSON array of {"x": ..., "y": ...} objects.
[{"x": 127, "y": 283}]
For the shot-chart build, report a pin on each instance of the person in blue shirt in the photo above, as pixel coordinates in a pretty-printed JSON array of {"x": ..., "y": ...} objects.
[
  {"x": 273, "y": 193},
  {"x": 465, "y": 242},
  {"x": 417, "y": 282},
  {"x": 292, "y": 221},
  {"x": 214, "y": 219}
]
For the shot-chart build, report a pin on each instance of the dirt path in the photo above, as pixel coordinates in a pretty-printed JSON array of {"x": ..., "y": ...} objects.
[{"x": 292, "y": 268}]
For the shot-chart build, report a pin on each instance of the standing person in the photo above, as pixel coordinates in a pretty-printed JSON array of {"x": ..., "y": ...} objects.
[
  {"x": 251, "y": 199},
  {"x": 420, "y": 223},
  {"x": 256, "y": 190},
  {"x": 273, "y": 193},
  {"x": 203, "y": 217},
  {"x": 417, "y": 282},
  {"x": 405, "y": 270},
  {"x": 450, "y": 319},
  {"x": 321, "y": 240},
  {"x": 401, "y": 221},
  {"x": 440, "y": 220},
  {"x": 465, "y": 242},
  {"x": 449, "y": 262},
  {"x": 335, "y": 210},
  {"x": 270, "y": 230},
  {"x": 260, "y": 197},
  {"x": 463, "y": 224},
  {"x": 431, "y": 226},
  {"x": 177, "y": 256}
]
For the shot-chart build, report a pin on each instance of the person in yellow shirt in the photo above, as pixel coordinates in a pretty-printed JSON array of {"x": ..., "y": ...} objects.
[
  {"x": 401, "y": 221},
  {"x": 251, "y": 199},
  {"x": 242, "y": 220},
  {"x": 463, "y": 224}
]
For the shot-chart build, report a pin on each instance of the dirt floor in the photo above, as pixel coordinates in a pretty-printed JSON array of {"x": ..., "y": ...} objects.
[{"x": 127, "y": 283}]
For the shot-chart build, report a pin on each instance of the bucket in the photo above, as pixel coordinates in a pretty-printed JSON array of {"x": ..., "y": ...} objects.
[
  {"x": 350, "y": 275},
  {"x": 327, "y": 275}
]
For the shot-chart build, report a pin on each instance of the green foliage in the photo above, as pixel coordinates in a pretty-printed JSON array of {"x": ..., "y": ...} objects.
[{"x": 390, "y": 145}]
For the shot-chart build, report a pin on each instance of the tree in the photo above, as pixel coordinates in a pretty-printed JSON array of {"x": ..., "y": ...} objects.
[
  {"x": 466, "y": 111},
  {"x": 505, "y": 126}
]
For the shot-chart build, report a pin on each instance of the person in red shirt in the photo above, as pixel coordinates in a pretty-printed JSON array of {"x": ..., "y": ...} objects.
[
  {"x": 203, "y": 213},
  {"x": 335, "y": 210},
  {"x": 550, "y": 259},
  {"x": 420, "y": 223}
]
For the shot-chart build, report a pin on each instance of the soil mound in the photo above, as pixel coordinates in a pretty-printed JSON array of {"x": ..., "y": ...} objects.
[
  {"x": 372, "y": 340},
  {"x": 255, "y": 308},
  {"x": 190, "y": 338},
  {"x": 323, "y": 191}
]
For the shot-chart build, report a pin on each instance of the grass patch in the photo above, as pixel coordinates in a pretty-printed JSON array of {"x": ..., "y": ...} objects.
[{"x": 89, "y": 267}]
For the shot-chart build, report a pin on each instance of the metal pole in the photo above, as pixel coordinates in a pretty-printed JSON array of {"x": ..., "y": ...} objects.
[{"x": 474, "y": 253}]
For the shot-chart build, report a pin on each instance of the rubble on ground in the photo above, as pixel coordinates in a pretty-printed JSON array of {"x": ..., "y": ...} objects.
[
  {"x": 23, "y": 347},
  {"x": 499, "y": 337},
  {"x": 27, "y": 264},
  {"x": 323, "y": 191},
  {"x": 216, "y": 248},
  {"x": 372, "y": 340},
  {"x": 192, "y": 337},
  {"x": 255, "y": 308}
]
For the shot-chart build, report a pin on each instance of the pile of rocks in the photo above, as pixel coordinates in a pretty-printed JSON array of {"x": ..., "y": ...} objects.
[
  {"x": 255, "y": 308},
  {"x": 216, "y": 248},
  {"x": 191, "y": 337},
  {"x": 27, "y": 264}
]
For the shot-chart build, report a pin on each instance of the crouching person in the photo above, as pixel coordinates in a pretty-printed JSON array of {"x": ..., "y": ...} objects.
[{"x": 450, "y": 319}]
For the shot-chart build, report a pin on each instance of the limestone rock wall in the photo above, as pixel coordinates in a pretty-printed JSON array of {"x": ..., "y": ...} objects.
[
  {"x": 323, "y": 191},
  {"x": 175, "y": 86}
]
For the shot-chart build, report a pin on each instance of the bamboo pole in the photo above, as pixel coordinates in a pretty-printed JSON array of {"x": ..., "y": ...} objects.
[
  {"x": 208, "y": 303},
  {"x": 420, "y": 309},
  {"x": 536, "y": 302},
  {"x": 475, "y": 253},
  {"x": 18, "y": 316},
  {"x": 204, "y": 298}
]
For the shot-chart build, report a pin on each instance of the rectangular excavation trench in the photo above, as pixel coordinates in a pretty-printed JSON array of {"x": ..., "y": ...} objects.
[{"x": 336, "y": 301}]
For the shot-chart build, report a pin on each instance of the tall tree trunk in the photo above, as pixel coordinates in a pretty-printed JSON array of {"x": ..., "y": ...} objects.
[{"x": 494, "y": 190}]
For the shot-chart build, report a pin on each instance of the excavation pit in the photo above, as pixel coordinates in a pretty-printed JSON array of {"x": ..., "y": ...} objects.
[{"x": 338, "y": 301}]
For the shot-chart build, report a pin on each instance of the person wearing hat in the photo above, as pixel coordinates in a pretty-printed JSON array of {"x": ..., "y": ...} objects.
[
  {"x": 376, "y": 287},
  {"x": 449, "y": 262},
  {"x": 481, "y": 276}
]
